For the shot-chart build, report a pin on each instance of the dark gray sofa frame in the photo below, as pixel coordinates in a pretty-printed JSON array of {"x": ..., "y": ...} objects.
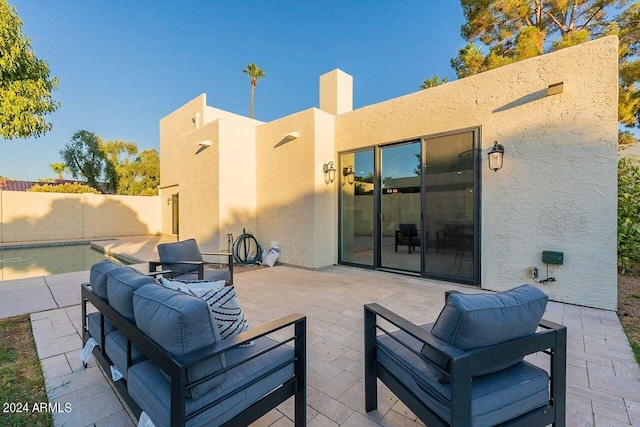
[
  {"x": 552, "y": 341},
  {"x": 176, "y": 368}
]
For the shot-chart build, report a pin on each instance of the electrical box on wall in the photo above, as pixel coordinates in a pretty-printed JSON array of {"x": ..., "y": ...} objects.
[{"x": 550, "y": 257}]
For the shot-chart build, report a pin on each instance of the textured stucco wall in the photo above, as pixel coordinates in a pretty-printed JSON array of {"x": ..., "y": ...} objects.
[
  {"x": 557, "y": 190},
  {"x": 30, "y": 216},
  {"x": 294, "y": 205},
  {"x": 214, "y": 200}
]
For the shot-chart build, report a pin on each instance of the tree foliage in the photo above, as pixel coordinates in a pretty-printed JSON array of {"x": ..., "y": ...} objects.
[
  {"x": 433, "y": 82},
  {"x": 84, "y": 158},
  {"x": 254, "y": 72},
  {"x": 25, "y": 82},
  {"x": 117, "y": 164},
  {"x": 74, "y": 187},
  {"x": 513, "y": 30},
  {"x": 58, "y": 168},
  {"x": 628, "y": 214}
]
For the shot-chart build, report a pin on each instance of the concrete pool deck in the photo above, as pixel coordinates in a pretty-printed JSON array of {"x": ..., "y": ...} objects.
[{"x": 603, "y": 380}]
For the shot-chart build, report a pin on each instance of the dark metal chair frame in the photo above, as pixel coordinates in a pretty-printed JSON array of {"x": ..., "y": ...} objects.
[
  {"x": 153, "y": 265},
  {"x": 411, "y": 240},
  {"x": 552, "y": 340},
  {"x": 176, "y": 367}
]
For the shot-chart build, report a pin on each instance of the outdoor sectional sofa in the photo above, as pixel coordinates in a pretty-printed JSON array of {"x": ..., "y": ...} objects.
[{"x": 175, "y": 367}]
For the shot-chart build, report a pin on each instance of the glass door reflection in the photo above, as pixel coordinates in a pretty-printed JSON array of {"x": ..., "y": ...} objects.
[
  {"x": 357, "y": 214},
  {"x": 400, "y": 207}
]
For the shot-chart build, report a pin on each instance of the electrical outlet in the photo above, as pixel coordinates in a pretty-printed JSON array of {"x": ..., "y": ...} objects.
[{"x": 532, "y": 272}]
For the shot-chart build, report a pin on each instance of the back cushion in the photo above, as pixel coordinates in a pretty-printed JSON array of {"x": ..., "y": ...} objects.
[
  {"x": 98, "y": 276},
  {"x": 121, "y": 283},
  {"x": 187, "y": 250},
  {"x": 470, "y": 321},
  {"x": 180, "y": 324}
]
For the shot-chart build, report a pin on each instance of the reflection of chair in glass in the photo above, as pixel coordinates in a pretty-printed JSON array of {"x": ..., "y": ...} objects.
[
  {"x": 468, "y": 369},
  {"x": 184, "y": 259},
  {"x": 407, "y": 236}
]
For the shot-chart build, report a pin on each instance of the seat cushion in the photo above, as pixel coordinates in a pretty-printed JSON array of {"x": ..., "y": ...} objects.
[
  {"x": 121, "y": 283},
  {"x": 98, "y": 276},
  {"x": 180, "y": 324},
  {"x": 186, "y": 250},
  {"x": 152, "y": 390},
  {"x": 495, "y": 398},
  {"x": 115, "y": 345},
  {"x": 470, "y": 321},
  {"x": 93, "y": 325}
]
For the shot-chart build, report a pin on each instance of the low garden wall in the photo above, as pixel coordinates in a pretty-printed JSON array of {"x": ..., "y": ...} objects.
[{"x": 26, "y": 216}]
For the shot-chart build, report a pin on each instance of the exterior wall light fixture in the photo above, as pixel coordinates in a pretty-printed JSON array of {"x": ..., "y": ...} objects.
[
  {"x": 350, "y": 174},
  {"x": 329, "y": 172},
  {"x": 495, "y": 157}
]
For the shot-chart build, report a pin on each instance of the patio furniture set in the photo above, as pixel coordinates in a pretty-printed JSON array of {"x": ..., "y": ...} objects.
[{"x": 172, "y": 354}]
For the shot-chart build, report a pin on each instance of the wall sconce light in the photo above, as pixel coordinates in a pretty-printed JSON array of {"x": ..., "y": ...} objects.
[
  {"x": 205, "y": 143},
  {"x": 329, "y": 172},
  {"x": 495, "y": 157},
  {"x": 350, "y": 174}
]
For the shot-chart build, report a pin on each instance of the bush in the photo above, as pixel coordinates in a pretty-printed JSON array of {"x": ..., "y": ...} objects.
[
  {"x": 64, "y": 188},
  {"x": 628, "y": 214}
]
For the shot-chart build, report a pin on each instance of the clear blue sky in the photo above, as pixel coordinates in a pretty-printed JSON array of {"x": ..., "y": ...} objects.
[{"x": 123, "y": 65}]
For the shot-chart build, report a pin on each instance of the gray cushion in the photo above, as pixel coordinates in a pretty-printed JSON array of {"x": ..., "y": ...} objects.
[
  {"x": 180, "y": 324},
  {"x": 98, "y": 276},
  {"x": 495, "y": 398},
  {"x": 186, "y": 250},
  {"x": 93, "y": 325},
  {"x": 121, "y": 283},
  {"x": 115, "y": 345},
  {"x": 470, "y": 321},
  {"x": 152, "y": 390}
]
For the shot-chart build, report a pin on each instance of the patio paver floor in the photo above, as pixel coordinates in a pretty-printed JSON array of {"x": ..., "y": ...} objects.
[{"x": 603, "y": 379}]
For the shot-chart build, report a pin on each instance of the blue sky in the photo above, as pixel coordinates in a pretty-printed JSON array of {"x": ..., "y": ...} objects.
[{"x": 123, "y": 65}]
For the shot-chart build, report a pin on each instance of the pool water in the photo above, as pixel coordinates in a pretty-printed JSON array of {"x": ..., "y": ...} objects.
[{"x": 45, "y": 260}]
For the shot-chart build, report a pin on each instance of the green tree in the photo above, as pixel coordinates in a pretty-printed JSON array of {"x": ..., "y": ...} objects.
[
  {"x": 254, "y": 73},
  {"x": 433, "y": 82},
  {"x": 140, "y": 176},
  {"x": 83, "y": 156},
  {"x": 513, "y": 30},
  {"x": 58, "y": 168},
  {"x": 25, "y": 82}
]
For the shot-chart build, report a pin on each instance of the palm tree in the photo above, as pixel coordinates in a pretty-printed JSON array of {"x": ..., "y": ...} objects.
[
  {"x": 254, "y": 73},
  {"x": 433, "y": 82},
  {"x": 58, "y": 168}
]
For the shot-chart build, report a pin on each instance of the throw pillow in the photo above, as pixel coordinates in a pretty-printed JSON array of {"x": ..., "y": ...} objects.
[{"x": 222, "y": 300}]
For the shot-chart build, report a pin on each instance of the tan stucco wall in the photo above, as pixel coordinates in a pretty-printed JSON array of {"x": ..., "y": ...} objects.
[
  {"x": 295, "y": 207},
  {"x": 557, "y": 190},
  {"x": 27, "y": 216},
  {"x": 216, "y": 184}
]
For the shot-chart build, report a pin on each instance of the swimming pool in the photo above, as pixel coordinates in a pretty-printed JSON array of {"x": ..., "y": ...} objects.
[{"x": 23, "y": 262}]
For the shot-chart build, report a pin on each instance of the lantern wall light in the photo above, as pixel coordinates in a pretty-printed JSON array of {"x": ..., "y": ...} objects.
[
  {"x": 496, "y": 157},
  {"x": 329, "y": 172},
  {"x": 350, "y": 174}
]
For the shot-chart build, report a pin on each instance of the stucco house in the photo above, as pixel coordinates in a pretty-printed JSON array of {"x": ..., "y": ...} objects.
[{"x": 332, "y": 185}]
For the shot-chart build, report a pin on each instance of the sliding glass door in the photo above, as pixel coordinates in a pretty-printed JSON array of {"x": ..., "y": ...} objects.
[{"x": 413, "y": 207}]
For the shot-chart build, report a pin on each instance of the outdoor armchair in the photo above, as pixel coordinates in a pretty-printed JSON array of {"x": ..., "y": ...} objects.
[
  {"x": 447, "y": 377},
  {"x": 407, "y": 236},
  {"x": 185, "y": 261}
]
